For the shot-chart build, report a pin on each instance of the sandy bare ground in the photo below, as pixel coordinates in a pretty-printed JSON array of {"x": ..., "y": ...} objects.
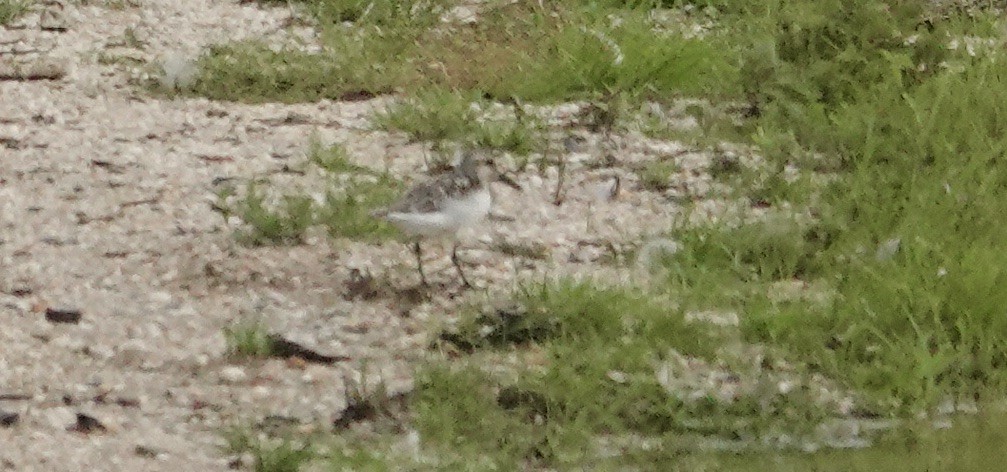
[{"x": 105, "y": 208}]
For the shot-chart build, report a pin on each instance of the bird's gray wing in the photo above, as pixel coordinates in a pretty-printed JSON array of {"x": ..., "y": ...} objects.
[{"x": 426, "y": 197}]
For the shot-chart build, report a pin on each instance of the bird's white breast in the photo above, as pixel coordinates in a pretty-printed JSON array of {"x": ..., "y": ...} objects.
[
  {"x": 454, "y": 214},
  {"x": 470, "y": 209}
]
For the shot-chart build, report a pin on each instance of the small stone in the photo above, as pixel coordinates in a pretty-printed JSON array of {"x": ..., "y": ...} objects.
[
  {"x": 233, "y": 374},
  {"x": 99, "y": 352},
  {"x": 132, "y": 353},
  {"x": 968, "y": 407},
  {"x": 716, "y": 318},
  {"x": 202, "y": 360},
  {"x": 946, "y": 407},
  {"x": 617, "y": 376},
  {"x": 297, "y": 363},
  {"x": 69, "y": 342},
  {"x": 57, "y": 418},
  {"x": 574, "y": 143},
  {"x": 21, "y": 291},
  {"x": 87, "y": 424},
  {"x": 178, "y": 71},
  {"x": 34, "y": 70},
  {"x": 261, "y": 392},
  {"x": 658, "y": 250},
  {"x": 240, "y": 462},
  {"x": 63, "y": 315},
  {"x": 8, "y": 36},
  {"x": 8, "y": 419},
  {"x": 52, "y": 20},
  {"x": 887, "y": 249},
  {"x": 461, "y": 14},
  {"x": 145, "y": 451},
  {"x": 786, "y": 386},
  {"x": 160, "y": 297}
]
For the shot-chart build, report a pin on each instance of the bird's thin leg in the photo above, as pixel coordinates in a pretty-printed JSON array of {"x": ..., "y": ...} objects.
[
  {"x": 419, "y": 262},
  {"x": 458, "y": 266}
]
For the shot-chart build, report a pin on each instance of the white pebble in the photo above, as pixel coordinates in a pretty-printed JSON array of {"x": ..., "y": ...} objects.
[{"x": 233, "y": 374}]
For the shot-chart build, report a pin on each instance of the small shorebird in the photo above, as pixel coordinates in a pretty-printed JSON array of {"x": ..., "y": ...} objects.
[{"x": 444, "y": 204}]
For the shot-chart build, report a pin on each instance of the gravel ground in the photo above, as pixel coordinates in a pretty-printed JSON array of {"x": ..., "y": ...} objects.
[{"x": 105, "y": 211}]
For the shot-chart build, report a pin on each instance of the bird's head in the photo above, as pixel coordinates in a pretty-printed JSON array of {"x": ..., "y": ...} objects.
[{"x": 480, "y": 164}]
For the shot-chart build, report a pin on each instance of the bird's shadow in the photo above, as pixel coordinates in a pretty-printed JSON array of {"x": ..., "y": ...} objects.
[{"x": 364, "y": 286}]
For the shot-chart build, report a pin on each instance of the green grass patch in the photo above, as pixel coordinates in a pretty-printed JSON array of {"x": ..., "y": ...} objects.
[
  {"x": 248, "y": 339},
  {"x": 12, "y": 9},
  {"x": 345, "y": 211},
  {"x": 656, "y": 175},
  {"x": 356, "y": 192},
  {"x": 367, "y": 49},
  {"x": 916, "y": 446},
  {"x": 570, "y": 51},
  {"x": 924, "y": 322},
  {"x": 563, "y": 51},
  {"x": 433, "y": 116},
  {"x": 875, "y": 268},
  {"x": 441, "y": 116},
  {"x": 964, "y": 447},
  {"x": 269, "y": 454},
  {"x": 726, "y": 267},
  {"x": 391, "y": 14},
  {"x": 252, "y": 72},
  {"x": 594, "y": 363},
  {"x": 911, "y": 127},
  {"x": 579, "y": 311},
  {"x": 335, "y": 160},
  {"x": 283, "y": 224}
]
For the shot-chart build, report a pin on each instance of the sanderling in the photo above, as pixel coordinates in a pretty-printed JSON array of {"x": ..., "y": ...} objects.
[{"x": 446, "y": 203}]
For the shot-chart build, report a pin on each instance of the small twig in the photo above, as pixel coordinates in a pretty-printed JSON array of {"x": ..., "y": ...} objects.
[
  {"x": 613, "y": 109},
  {"x": 145, "y": 201},
  {"x": 558, "y": 197},
  {"x": 32, "y": 71},
  {"x": 519, "y": 113}
]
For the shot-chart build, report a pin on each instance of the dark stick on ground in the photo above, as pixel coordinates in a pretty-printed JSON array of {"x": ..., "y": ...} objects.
[
  {"x": 458, "y": 266},
  {"x": 419, "y": 262}
]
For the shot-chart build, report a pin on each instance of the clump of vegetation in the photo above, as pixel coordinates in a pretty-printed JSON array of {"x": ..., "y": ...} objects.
[
  {"x": 248, "y": 339},
  {"x": 874, "y": 129},
  {"x": 335, "y": 160},
  {"x": 345, "y": 212},
  {"x": 656, "y": 175},
  {"x": 867, "y": 84},
  {"x": 251, "y": 72},
  {"x": 560, "y": 51},
  {"x": 591, "y": 363},
  {"x": 12, "y": 9},
  {"x": 921, "y": 325},
  {"x": 269, "y": 454},
  {"x": 431, "y": 116},
  {"x": 283, "y": 224},
  {"x": 454, "y": 117},
  {"x": 356, "y": 192}
]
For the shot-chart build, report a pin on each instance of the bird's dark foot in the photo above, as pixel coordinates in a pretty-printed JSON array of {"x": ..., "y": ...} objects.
[{"x": 458, "y": 266}]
